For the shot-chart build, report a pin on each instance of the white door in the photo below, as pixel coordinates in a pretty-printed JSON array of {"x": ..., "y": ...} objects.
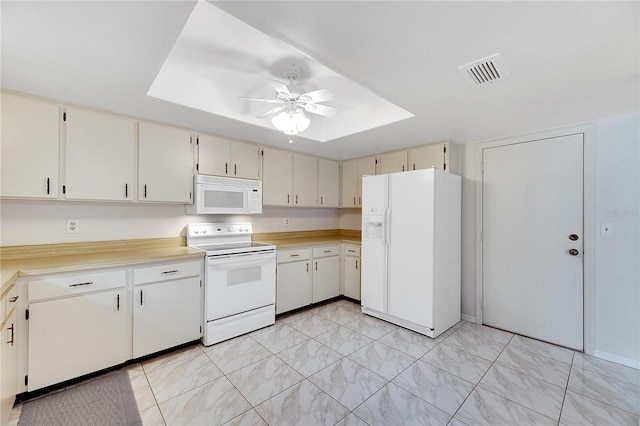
[{"x": 532, "y": 207}]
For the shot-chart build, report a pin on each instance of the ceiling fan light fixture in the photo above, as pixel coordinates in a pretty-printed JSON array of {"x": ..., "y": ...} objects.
[{"x": 291, "y": 122}]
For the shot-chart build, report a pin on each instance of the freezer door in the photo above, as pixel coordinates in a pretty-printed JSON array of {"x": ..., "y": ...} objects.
[
  {"x": 411, "y": 246},
  {"x": 374, "y": 251}
]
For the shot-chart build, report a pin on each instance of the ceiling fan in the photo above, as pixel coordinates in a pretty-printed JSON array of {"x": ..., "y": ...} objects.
[{"x": 292, "y": 104}]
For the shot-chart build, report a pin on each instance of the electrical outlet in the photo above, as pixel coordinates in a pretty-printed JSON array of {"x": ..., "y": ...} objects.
[
  {"x": 73, "y": 226},
  {"x": 606, "y": 229},
  {"x": 286, "y": 221}
]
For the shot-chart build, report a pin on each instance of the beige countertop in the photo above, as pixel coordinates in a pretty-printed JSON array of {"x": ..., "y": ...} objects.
[
  {"x": 66, "y": 258},
  {"x": 19, "y": 261}
]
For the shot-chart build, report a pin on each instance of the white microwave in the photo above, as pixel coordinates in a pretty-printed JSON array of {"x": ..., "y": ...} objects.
[{"x": 221, "y": 195}]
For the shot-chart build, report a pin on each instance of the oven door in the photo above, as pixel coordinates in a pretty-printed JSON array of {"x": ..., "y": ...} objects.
[{"x": 238, "y": 283}]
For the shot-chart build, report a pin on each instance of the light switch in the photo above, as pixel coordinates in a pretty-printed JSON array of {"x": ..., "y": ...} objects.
[{"x": 606, "y": 229}]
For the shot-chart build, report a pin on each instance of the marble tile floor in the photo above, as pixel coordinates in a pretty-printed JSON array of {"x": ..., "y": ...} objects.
[{"x": 332, "y": 365}]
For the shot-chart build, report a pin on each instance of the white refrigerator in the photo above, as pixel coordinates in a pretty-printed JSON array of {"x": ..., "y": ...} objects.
[{"x": 411, "y": 249}]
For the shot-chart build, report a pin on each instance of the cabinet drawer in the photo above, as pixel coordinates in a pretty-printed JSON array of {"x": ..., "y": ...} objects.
[
  {"x": 58, "y": 286},
  {"x": 292, "y": 255},
  {"x": 352, "y": 250},
  {"x": 325, "y": 251},
  {"x": 169, "y": 271}
]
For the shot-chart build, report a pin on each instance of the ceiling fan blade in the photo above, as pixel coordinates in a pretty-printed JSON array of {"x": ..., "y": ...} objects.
[
  {"x": 327, "y": 111},
  {"x": 320, "y": 95},
  {"x": 279, "y": 87},
  {"x": 271, "y": 111},
  {"x": 271, "y": 101}
]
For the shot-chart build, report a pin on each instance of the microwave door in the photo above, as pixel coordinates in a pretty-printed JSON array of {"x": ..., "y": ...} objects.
[{"x": 223, "y": 199}]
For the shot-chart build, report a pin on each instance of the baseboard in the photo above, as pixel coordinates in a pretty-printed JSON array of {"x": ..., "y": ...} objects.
[
  {"x": 617, "y": 359},
  {"x": 468, "y": 318}
]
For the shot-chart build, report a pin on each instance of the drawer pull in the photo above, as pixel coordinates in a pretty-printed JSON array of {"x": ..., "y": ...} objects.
[
  {"x": 81, "y": 284},
  {"x": 295, "y": 255},
  {"x": 12, "y": 328},
  {"x": 170, "y": 272},
  {"x": 351, "y": 251},
  {"x": 13, "y": 299},
  {"x": 327, "y": 251}
]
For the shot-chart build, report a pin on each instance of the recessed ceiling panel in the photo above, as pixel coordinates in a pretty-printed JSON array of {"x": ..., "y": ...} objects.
[{"x": 217, "y": 59}]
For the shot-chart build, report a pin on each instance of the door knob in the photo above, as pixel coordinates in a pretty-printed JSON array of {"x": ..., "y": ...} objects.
[
  {"x": 574, "y": 252},
  {"x": 573, "y": 237}
]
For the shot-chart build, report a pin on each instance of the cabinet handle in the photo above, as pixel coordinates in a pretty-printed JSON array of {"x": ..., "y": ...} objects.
[
  {"x": 118, "y": 302},
  {"x": 351, "y": 251},
  {"x": 354, "y": 201},
  {"x": 226, "y": 168},
  {"x": 145, "y": 190},
  {"x": 48, "y": 185},
  {"x": 327, "y": 251},
  {"x": 307, "y": 266},
  {"x": 316, "y": 266},
  {"x": 12, "y": 328},
  {"x": 140, "y": 297},
  {"x": 126, "y": 190},
  {"x": 321, "y": 201},
  {"x": 13, "y": 299},
  {"x": 356, "y": 264},
  {"x": 414, "y": 166},
  {"x": 170, "y": 272},
  {"x": 235, "y": 169},
  {"x": 81, "y": 284},
  {"x": 359, "y": 200},
  {"x": 296, "y": 198},
  {"x": 403, "y": 167},
  {"x": 287, "y": 198},
  {"x": 295, "y": 255}
]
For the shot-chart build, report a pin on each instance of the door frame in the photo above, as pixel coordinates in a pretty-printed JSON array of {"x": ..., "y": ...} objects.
[{"x": 587, "y": 130}]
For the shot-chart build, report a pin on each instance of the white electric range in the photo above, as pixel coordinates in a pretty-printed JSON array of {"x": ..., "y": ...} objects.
[{"x": 240, "y": 279}]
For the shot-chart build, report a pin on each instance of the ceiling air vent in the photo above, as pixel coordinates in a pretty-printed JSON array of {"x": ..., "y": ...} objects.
[{"x": 485, "y": 70}]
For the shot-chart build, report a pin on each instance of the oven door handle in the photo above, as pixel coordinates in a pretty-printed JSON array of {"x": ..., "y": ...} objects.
[{"x": 245, "y": 259}]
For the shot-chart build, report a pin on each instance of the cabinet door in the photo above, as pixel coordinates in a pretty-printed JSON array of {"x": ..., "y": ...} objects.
[
  {"x": 213, "y": 155},
  {"x": 77, "y": 335},
  {"x": 349, "y": 184},
  {"x": 351, "y": 277},
  {"x": 366, "y": 167},
  {"x": 166, "y": 314},
  {"x": 428, "y": 156},
  {"x": 305, "y": 180},
  {"x": 277, "y": 175},
  {"x": 29, "y": 143},
  {"x": 100, "y": 156},
  {"x": 8, "y": 364},
  {"x": 326, "y": 278},
  {"x": 164, "y": 164},
  {"x": 245, "y": 159},
  {"x": 392, "y": 162},
  {"x": 293, "y": 286},
  {"x": 328, "y": 183}
]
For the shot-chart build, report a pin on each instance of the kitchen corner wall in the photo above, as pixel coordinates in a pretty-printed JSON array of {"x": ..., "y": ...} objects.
[{"x": 26, "y": 222}]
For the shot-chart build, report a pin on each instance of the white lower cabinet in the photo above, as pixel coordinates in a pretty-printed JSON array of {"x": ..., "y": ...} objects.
[
  {"x": 326, "y": 273},
  {"x": 351, "y": 271},
  {"x": 167, "y": 306},
  {"x": 84, "y": 322},
  {"x": 293, "y": 279},
  {"x": 8, "y": 358},
  {"x": 79, "y": 333}
]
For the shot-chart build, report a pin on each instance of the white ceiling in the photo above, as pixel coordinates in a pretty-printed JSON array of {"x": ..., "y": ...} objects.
[{"x": 569, "y": 61}]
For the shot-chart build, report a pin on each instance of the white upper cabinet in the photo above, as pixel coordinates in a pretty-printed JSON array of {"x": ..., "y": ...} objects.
[
  {"x": 100, "y": 156},
  {"x": 392, "y": 162},
  {"x": 366, "y": 167},
  {"x": 164, "y": 164},
  {"x": 328, "y": 183},
  {"x": 277, "y": 174},
  {"x": 30, "y": 146},
  {"x": 223, "y": 157},
  {"x": 349, "y": 184},
  {"x": 442, "y": 155},
  {"x": 305, "y": 180}
]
